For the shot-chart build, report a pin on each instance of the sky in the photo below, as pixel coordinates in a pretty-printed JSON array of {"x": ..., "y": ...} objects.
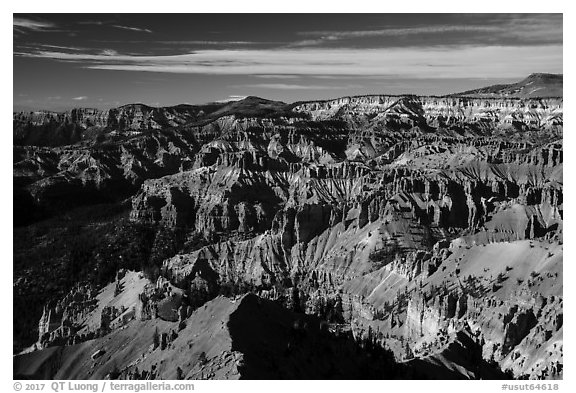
[{"x": 62, "y": 61}]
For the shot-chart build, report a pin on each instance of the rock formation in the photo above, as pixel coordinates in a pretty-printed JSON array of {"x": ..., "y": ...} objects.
[{"x": 428, "y": 226}]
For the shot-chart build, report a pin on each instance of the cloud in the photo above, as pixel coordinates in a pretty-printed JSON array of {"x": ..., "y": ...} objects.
[
  {"x": 68, "y": 48},
  {"x": 287, "y": 86},
  {"x": 109, "y": 52},
  {"x": 327, "y": 35},
  {"x": 231, "y": 98},
  {"x": 23, "y": 25},
  {"x": 130, "y": 28},
  {"x": 186, "y": 44},
  {"x": 92, "y": 22},
  {"x": 205, "y": 42},
  {"x": 524, "y": 28},
  {"x": 81, "y": 98},
  {"x": 278, "y": 76},
  {"x": 429, "y": 62},
  {"x": 313, "y": 42},
  {"x": 535, "y": 28}
]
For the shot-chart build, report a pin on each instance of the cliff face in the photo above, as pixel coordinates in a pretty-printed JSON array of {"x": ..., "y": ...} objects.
[
  {"x": 443, "y": 111},
  {"x": 52, "y": 128},
  {"x": 424, "y": 219},
  {"x": 442, "y": 171},
  {"x": 49, "y": 179}
]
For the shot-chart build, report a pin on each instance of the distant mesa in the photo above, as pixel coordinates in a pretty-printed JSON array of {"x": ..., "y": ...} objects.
[{"x": 537, "y": 85}]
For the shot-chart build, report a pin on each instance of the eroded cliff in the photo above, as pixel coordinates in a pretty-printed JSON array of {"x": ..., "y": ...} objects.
[{"x": 425, "y": 225}]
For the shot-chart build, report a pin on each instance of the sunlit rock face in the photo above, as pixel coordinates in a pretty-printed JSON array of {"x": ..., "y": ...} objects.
[
  {"x": 427, "y": 224},
  {"x": 418, "y": 170}
]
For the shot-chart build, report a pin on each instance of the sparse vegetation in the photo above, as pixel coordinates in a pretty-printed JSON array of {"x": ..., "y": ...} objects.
[{"x": 382, "y": 256}]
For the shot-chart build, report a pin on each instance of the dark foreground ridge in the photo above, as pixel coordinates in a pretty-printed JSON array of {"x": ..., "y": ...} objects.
[{"x": 242, "y": 338}]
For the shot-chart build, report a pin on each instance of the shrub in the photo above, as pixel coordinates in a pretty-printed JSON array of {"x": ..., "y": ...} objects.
[{"x": 202, "y": 358}]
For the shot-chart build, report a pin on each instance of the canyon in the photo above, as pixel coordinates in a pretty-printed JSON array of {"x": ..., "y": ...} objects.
[{"x": 406, "y": 236}]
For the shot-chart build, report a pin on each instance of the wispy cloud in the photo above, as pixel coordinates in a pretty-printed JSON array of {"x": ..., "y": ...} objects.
[
  {"x": 207, "y": 42},
  {"x": 527, "y": 28},
  {"x": 231, "y": 98},
  {"x": 94, "y": 22},
  {"x": 41, "y": 47},
  {"x": 278, "y": 76},
  {"x": 24, "y": 25},
  {"x": 536, "y": 28},
  {"x": 401, "y": 31},
  {"x": 199, "y": 43},
  {"x": 80, "y": 98},
  {"x": 432, "y": 62},
  {"x": 290, "y": 86},
  {"x": 130, "y": 28},
  {"x": 109, "y": 52}
]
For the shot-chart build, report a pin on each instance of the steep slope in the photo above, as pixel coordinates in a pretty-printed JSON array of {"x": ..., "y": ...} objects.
[{"x": 245, "y": 338}]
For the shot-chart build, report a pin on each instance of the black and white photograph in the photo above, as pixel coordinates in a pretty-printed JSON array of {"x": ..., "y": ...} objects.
[{"x": 287, "y": 196}]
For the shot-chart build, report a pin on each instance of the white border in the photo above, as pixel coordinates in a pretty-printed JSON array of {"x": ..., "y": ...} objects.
[{"x": 308, "y": 6}]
